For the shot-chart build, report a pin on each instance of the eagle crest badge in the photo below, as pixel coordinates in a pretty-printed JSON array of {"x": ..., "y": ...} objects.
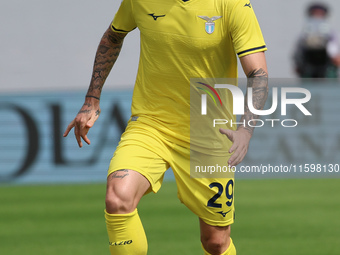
[{"x": 210, "y": 24}]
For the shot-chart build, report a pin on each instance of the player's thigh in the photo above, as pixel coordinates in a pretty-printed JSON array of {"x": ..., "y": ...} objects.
[
  {"x": 124, "y": 190},
  {"x": 134, "y": 171}
]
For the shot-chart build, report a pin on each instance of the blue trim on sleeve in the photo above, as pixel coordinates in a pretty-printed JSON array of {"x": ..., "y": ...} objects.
[
  {"x": 252, "y": 49},
  {"x": 120, "y": 30}
]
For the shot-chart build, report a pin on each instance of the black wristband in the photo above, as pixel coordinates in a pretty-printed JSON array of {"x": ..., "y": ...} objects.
[{"x": 93, "y": 97}]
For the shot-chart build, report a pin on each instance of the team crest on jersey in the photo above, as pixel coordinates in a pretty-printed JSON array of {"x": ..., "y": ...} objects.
[{"x": 210, "y": 24}]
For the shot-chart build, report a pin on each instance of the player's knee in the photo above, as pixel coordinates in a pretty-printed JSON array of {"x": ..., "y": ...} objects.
[
  {"x": 214, "y": 245},
  {"x": 118, "y": 203}
]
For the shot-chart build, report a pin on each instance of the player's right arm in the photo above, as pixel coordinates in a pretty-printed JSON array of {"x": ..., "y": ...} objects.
[{"x": 106, "y": 55}]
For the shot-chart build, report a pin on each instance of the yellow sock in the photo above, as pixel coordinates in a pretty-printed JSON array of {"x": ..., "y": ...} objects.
[
  {"x": 230, "y": 251},
  {"x": 126, "y": 234}
]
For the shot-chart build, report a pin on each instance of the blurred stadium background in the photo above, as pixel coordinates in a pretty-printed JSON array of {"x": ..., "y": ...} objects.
[{"x": 52, "y": 193}]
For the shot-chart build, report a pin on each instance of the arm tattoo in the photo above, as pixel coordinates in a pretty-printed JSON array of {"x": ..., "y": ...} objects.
[
  {"x": 120, "y": 174},
  {"x": 107, "y": 54},
  {"x": 258, "y": 81}
]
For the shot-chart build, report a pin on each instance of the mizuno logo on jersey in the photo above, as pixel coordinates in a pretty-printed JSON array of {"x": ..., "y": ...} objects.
[
  {"x": 223, "y": 213},
  {"x": 247, "y": 5},
  {"x": 155, "y": 17},
  {"x": 210, "y": 24}
]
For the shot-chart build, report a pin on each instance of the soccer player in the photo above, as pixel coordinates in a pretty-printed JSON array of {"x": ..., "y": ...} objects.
[{"x": 180, "y": 40}]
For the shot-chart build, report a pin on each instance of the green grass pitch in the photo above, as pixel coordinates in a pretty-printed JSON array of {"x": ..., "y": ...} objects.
[{"x": 278, "y": 217}]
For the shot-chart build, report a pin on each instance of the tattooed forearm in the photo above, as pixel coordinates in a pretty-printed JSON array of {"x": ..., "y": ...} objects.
[
  {"x": 107, "y": 54},
  {"x": 120, "y": 174},
  {"x": 258, "y": 81}
]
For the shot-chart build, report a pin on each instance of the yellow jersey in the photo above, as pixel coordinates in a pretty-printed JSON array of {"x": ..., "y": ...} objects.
[{"x": 181, "y": 40}]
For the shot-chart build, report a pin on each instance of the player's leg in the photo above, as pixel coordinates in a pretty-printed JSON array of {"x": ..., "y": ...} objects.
[
  {"x": 125, "y": 230},
  {"x": 210, "y": 198},
  {"x": 141, "y": 151},
  {"x": 216, "y": 240}
]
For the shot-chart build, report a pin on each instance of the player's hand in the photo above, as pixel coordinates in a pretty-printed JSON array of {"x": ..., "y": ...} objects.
[
  {"x": 84, "y": 120},
  {"x": 240, "y": 139}
]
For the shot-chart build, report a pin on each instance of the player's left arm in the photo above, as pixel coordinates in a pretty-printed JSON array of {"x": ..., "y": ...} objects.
[{"x": 255, "y": 67}]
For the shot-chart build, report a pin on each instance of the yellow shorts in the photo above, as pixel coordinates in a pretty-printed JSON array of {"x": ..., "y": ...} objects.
[{"x": 148, "y": 151}]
